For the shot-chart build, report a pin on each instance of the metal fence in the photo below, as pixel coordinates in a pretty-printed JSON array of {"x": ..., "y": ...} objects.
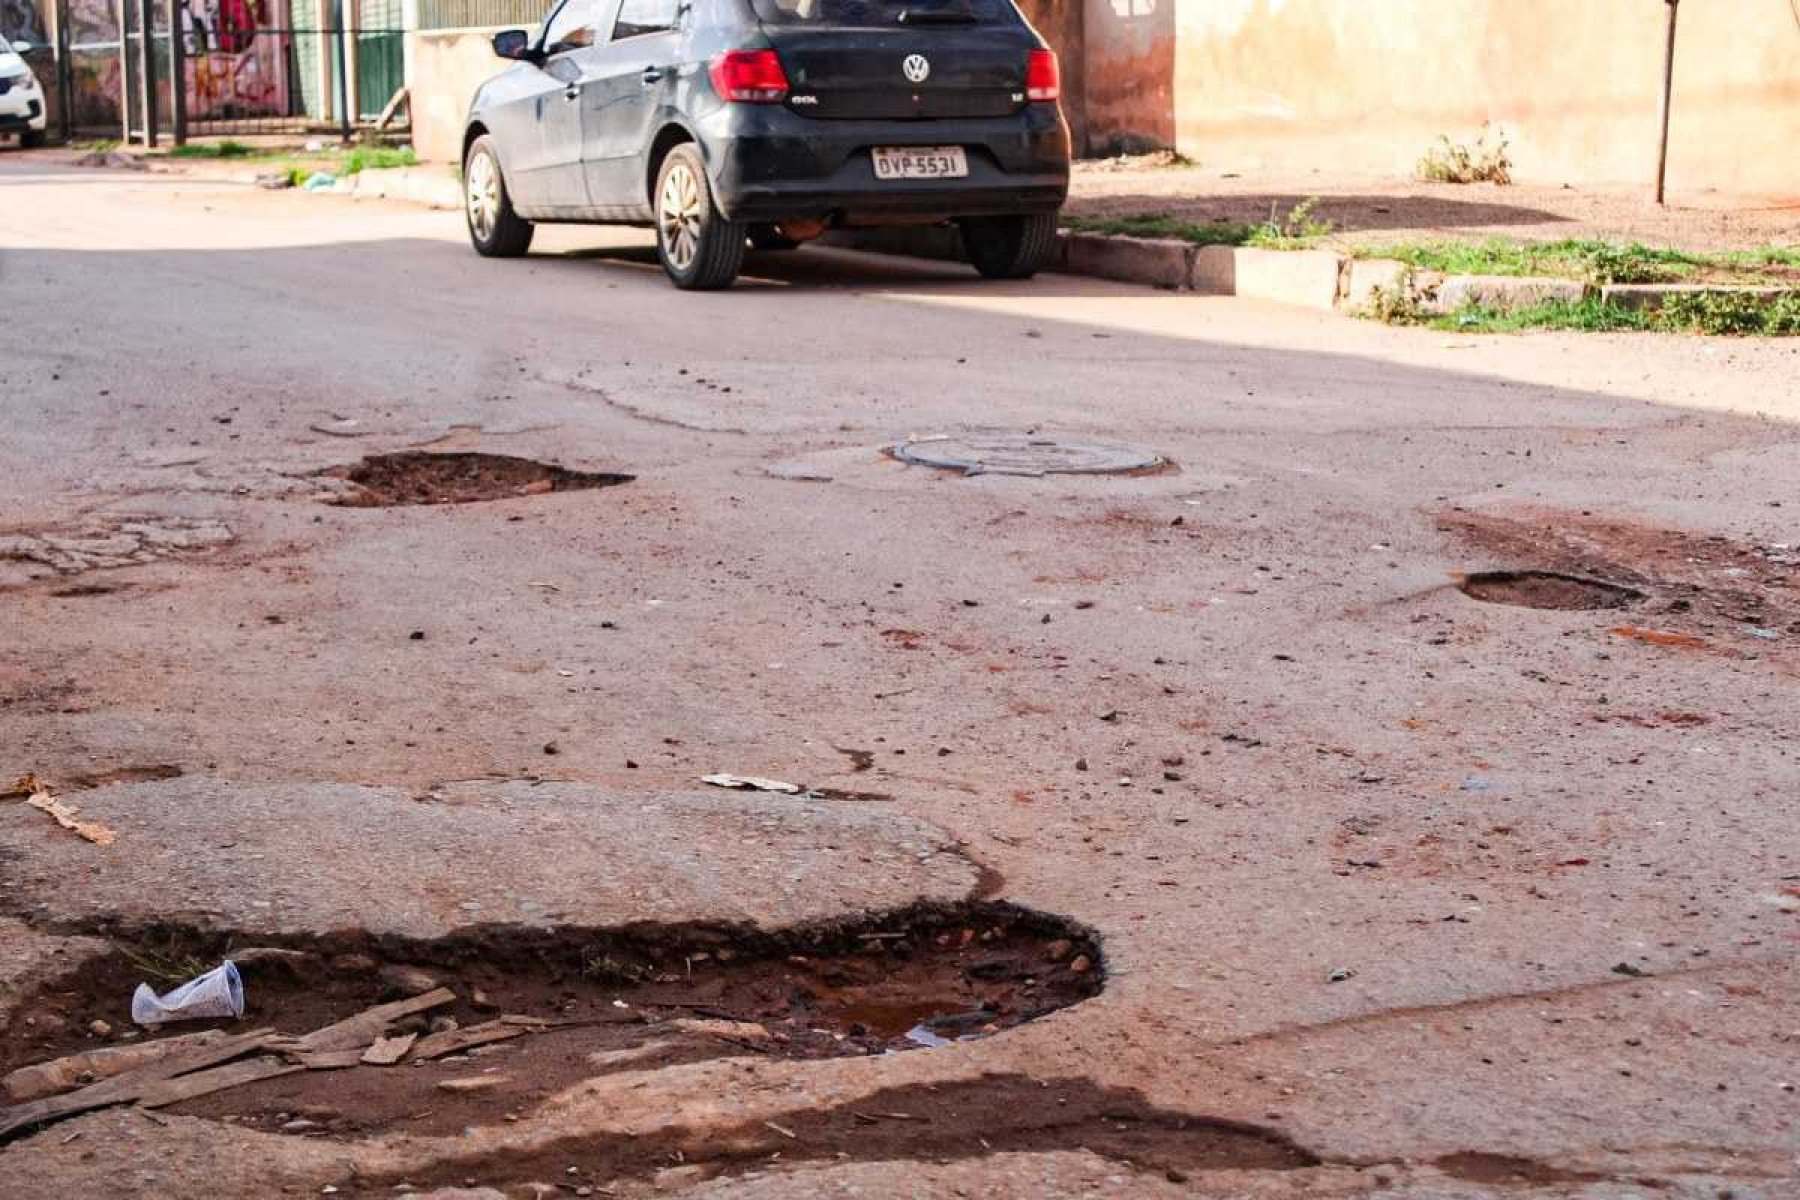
[{"x": 241, "y": 71}]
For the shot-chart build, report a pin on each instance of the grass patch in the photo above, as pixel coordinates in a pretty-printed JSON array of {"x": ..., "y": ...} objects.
[
  {"x": 1590, "y": 260},
  {"x": 380, "y": 158},
  {"x": 1300, "y": 229},
  {"x": 224, "y": 149},
  {"x": 1717, "y": 314},
  {"x": 1162, "y": 225}
]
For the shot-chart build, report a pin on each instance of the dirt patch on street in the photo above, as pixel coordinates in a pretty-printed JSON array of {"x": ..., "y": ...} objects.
[
  {"x": 418, "y": 477},
  {"x": 1546, "y": 589},
  {"x": 1707, "y": 588},
  {"x": 994, "y": 1114},
  {"x": 586, "y": 1003}
]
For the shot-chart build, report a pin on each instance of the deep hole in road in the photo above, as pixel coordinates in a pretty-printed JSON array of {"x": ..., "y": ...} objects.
[
  {"x": 1548, "y": 590},
  {"x": 593, "y": 1002},
  {"x": 420, "y": 477}
]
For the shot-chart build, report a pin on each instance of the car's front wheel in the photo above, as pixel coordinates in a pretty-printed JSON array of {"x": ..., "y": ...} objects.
[
  {"x": 1010, "y": 247},
  {"x": 31, "y": 139},
  {"x": 699, "y": 249},
  {"x": 494, "y": 228}
]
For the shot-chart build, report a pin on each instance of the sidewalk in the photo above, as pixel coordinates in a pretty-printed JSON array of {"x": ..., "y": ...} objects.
[{"x": 1374, "y": 210}]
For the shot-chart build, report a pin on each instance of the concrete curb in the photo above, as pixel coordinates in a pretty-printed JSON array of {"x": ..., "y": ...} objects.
[
  {"x": 1323, "y": 280},
  {"x": 432, "y": 186}
]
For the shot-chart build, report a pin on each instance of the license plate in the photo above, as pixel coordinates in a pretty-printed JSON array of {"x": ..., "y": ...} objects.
[{"x": 920, "y": 162}]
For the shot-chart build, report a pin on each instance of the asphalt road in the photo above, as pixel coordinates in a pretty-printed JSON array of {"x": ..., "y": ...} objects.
[{"x": 1452, "y": 897}]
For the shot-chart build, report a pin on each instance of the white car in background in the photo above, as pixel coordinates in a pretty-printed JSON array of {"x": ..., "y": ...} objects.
[{"x": 22, "y": 109}]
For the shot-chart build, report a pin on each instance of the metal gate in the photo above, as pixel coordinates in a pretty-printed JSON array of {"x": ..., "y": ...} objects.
[{"x": 248, "y": 67}]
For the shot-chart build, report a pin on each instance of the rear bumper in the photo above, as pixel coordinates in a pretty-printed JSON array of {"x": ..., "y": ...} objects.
[{"x": 769, "y": 164}]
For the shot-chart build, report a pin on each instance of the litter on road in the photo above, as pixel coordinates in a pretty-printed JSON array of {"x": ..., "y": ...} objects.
[
  {"x": 218, "y": 993},
  {"x": 751, "y": 783}
]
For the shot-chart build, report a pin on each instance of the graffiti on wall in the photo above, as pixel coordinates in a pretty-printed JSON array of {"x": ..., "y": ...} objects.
[
  {"x": 237, "y": 63},
  {"x": 21, "y": 22}
]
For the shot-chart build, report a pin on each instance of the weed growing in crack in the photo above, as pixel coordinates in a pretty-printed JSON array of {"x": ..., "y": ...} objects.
[{"x": 1474, "y": 162}]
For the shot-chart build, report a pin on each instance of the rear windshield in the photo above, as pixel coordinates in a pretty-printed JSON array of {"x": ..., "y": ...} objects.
[{"x": 923, "y": 14}]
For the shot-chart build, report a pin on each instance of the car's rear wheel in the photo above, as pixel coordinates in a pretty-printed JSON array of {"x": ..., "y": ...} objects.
[
  {"x": 494, "y": 228},
  {"x": 699, "y": 249},
  {"x": 31, "y": 139},
  {"x": 769, "y": 237},
  {"x": 1010, "y": 247}
]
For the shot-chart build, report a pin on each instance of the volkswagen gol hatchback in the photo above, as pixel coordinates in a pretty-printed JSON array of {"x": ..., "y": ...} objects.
[
  {"x": 21, "y": 99},
  {"x": 724, "y": 123}
]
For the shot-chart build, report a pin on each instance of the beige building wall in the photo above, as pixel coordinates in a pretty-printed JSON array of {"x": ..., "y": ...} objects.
[
  {"x": 1369, "y": 85},
  {"x": 443, "y": 69}
]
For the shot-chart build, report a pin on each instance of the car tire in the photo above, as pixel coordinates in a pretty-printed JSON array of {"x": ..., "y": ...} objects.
[
  {"x": 768, "y": 237},
  {"x": 700, "y": 250},
  {"x": 495, "y": 230},
  {"x": 1010, "y": 247},
  {"x": 31, "y": 139}
]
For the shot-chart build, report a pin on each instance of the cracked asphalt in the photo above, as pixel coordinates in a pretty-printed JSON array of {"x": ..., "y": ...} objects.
[{"x": 1457, "y": 898}]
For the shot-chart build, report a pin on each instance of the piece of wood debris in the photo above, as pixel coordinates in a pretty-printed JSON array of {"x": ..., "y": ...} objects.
[
  {"x": 360, "y": 1031},
  {"x": 389, "y": 1050},
  {"x": 629, "y": 1055},
  {"x": 205, "y": 1083},
  {"x": 324, "y": 1060},
  {"x": 92, "y": 1066},
  {"x": 783, "y": 1130},
  {"x": 65, "y": 814},
  {"x": 471, "y": 1083},
  {"x": 124, "y": 1089},
  {"x": 730, "y": 1031},
  {"x": 437, "y": 1045},
  {"x": 526, "y": 1021}
]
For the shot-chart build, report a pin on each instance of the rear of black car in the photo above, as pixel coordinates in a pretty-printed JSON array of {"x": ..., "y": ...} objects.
[{"x": 870, "y": 111}]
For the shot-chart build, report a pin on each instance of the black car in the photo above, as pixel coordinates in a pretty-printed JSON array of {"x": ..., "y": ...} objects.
[{"x": 725, "y": 123}]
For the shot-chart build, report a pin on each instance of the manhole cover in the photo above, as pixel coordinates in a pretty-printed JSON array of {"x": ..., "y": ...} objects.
[
  {"x": 1546, "y": 589},
  {"x": 422, "y": 478},
  {"x": 1023, "y": 454}
]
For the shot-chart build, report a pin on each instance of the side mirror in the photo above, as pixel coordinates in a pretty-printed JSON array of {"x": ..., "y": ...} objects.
[{"x": 514, "y": 44}]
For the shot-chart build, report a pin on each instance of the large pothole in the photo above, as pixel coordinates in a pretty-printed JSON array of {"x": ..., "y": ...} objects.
[
  {"x": 534, "y": 1012},
  {"x": 1547, "y": 590},
  {"x": 419, "y": 477}
]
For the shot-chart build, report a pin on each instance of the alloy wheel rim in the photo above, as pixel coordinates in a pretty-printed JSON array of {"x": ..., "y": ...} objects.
[
  {"x": 678, "y": 216},
  {"x": 483, "y": 195}
]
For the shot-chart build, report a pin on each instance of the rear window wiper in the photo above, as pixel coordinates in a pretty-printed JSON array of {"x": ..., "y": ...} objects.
[{"x": 936, "y": 16}]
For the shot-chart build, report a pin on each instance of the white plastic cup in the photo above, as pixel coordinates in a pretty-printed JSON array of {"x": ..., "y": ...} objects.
[{"x": 218, "y": 993}]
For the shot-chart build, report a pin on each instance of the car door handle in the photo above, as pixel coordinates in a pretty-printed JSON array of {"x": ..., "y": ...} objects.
[
  {"x": 652, "y": 75},
  {"x": 572, "y": 92}
]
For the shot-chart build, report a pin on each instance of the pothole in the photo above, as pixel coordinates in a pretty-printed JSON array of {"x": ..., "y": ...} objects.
[
  {"x": 419, "y": 477},
  {"x": 1024, "y": 454},
  {"x": 1547, "y": 590},
  {"x": 566, "y": 1005}
]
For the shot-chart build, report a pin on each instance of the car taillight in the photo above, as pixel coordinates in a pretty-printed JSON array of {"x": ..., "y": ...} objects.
[
  {"x": 1043, "y": 78},
  {"x": 749, "y": 77}
]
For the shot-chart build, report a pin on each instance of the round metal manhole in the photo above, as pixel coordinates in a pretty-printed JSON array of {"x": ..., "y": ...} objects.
[{"x": 1023, "y": 454}]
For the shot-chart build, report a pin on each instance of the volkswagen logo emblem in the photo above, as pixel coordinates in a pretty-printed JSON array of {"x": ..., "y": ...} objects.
[{"x": 917, "y": 68}]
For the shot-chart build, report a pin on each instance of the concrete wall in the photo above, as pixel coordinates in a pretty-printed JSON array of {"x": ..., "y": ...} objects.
[
  {"x": 1369, "y": 85},
  {"x": 1130, "y": 48},
  {"x": 443, "y": 69}
]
